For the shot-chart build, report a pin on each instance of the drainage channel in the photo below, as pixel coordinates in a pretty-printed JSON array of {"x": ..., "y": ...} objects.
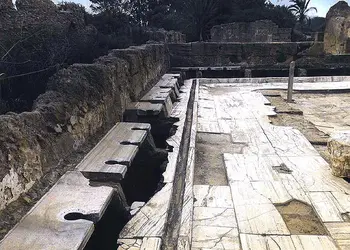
[{"x": 174, "y": 217}]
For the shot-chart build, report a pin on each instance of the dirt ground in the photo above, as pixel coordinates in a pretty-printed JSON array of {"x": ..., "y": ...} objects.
[{"x": 300, "y": 218}]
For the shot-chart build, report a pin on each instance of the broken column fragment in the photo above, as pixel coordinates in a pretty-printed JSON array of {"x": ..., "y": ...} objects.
[{"x": 339, "y": 149}]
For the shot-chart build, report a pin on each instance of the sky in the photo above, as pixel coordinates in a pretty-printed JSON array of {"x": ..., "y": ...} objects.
[{"x": 321, "y": 5}]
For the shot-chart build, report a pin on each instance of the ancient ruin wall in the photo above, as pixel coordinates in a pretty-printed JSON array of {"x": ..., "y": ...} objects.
[
  {"x": 164, "y": 36},
  {"x": 224, "y": 54},
  {"x": 259, "y": 31},
  {"x": 31, "y": 15},
  {"x": 337, "y": 32},
  {"x": 80, "y": 100}
]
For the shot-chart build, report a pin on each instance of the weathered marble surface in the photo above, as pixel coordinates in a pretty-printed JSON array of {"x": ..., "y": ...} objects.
[
  {"x": 45, "y": 226},
  {"x": 210, "y": 237},
  {"x": 212, "y": 196},
  {"x": 151, "y": 219},
  {"x": 277, "y": 166},
  {"x": 146, "y": 243},
  {"x": 340, "y": 232}
]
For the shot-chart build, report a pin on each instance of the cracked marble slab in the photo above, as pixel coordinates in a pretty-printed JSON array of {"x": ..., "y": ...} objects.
[
  {"x": 215, "y": 238},
  {"x": 217, "y": 217},
  {"x": 288, "y": 141},
  {"x": 314, "y": 175},
  {"x": 150, "y": 220},
  {"x": 241, "y": 167},
  {"x": 307, "y": 242},
  {"x": 212, "y": 196},
  {"x": 327, "y": 206},
  {"x": 269, "y": 242},
  {"x": 340, "y": 232},
  {"x": 260, "y": 219}
]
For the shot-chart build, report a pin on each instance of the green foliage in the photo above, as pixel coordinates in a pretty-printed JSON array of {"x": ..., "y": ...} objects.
[{"x": 301, "y": 9}]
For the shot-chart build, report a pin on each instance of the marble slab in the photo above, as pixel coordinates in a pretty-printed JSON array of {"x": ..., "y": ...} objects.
[
  {"x": 288, "y": 141},
  {"x": 260, "y": 219},
  {"x": 306, "y": 242},
  {"x": 217, "y": 217},
  {"x": 57, "y": 220},
  {"x": 215, "y": 238},
  {"x": 268, "y": 242},
  {"x": 243, "y": 167},
  {"x": 212, "y": 196},
  {"x": 150, "y": 220},
  {"x": 326, "y": 206},
  {"x": 340, "y": 232},
  {"x": 140, "y": 244}
]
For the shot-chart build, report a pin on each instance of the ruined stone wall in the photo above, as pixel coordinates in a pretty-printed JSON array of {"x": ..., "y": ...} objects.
[
  {"x": 80, "y": 100},
  {"x": 337, "y": 32},
  {"x": 164, "y": 36},
  {"x": 259, "y": 31},
  {"x": 224, "y": 54},
  {"x": 32, "y": 15}
]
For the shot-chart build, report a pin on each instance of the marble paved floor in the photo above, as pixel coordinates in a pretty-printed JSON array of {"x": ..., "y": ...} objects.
[{"x": 273, "y": 166}]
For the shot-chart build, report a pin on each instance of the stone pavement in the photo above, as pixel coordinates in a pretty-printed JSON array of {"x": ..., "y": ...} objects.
[{"x": 264, "y": 186}]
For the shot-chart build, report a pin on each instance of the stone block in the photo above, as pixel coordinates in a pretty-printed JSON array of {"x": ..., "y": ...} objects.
[{"x": 339, "y": 149}]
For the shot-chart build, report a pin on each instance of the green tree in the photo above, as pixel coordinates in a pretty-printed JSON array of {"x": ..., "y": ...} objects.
[
  {"x": 111, "y": 6},
  {"x": 301, "y": 8},
  {"x": 199, "y": 16}
]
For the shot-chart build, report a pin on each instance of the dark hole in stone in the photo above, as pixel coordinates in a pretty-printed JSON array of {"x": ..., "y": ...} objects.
[
  {"x": 144, "y": 177},
  {"x": 146, "y": 129},
  {"x": 77, "y": 216},
  {"x": 106, "y": 231},
  {"x": 162, "y": 129},
  {"x": 347, "y": 179},
  {"x": 129, "y": 143},
  {"x": 111, "y": 162}
]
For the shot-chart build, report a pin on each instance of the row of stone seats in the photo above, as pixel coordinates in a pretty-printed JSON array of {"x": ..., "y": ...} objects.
[
  {"x": 158, "y": 102},
  {"x": 64, "y": 218},
  {"x": 155, "y": 107}
]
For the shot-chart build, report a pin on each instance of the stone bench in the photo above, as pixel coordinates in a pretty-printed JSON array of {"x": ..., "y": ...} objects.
[
  {"x": 339, "y": 149},
  {"x": 110, "y": 158},
  {"x": 170, "y": 81},
  {"x": 158, "y": 102},
  {"x": 222, "y": 68},
  {"x": 63, "y": 219}
]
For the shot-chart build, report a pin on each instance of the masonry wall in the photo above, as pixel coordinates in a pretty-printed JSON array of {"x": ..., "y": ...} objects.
[
  {"x": 224, "y": 54},
  {"x": 80, "y": 100},
  {"x": 242, "y": 32}
]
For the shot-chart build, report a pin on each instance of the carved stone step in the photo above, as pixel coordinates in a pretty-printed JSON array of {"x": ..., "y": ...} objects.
[{"x": 63, "y": 219}]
